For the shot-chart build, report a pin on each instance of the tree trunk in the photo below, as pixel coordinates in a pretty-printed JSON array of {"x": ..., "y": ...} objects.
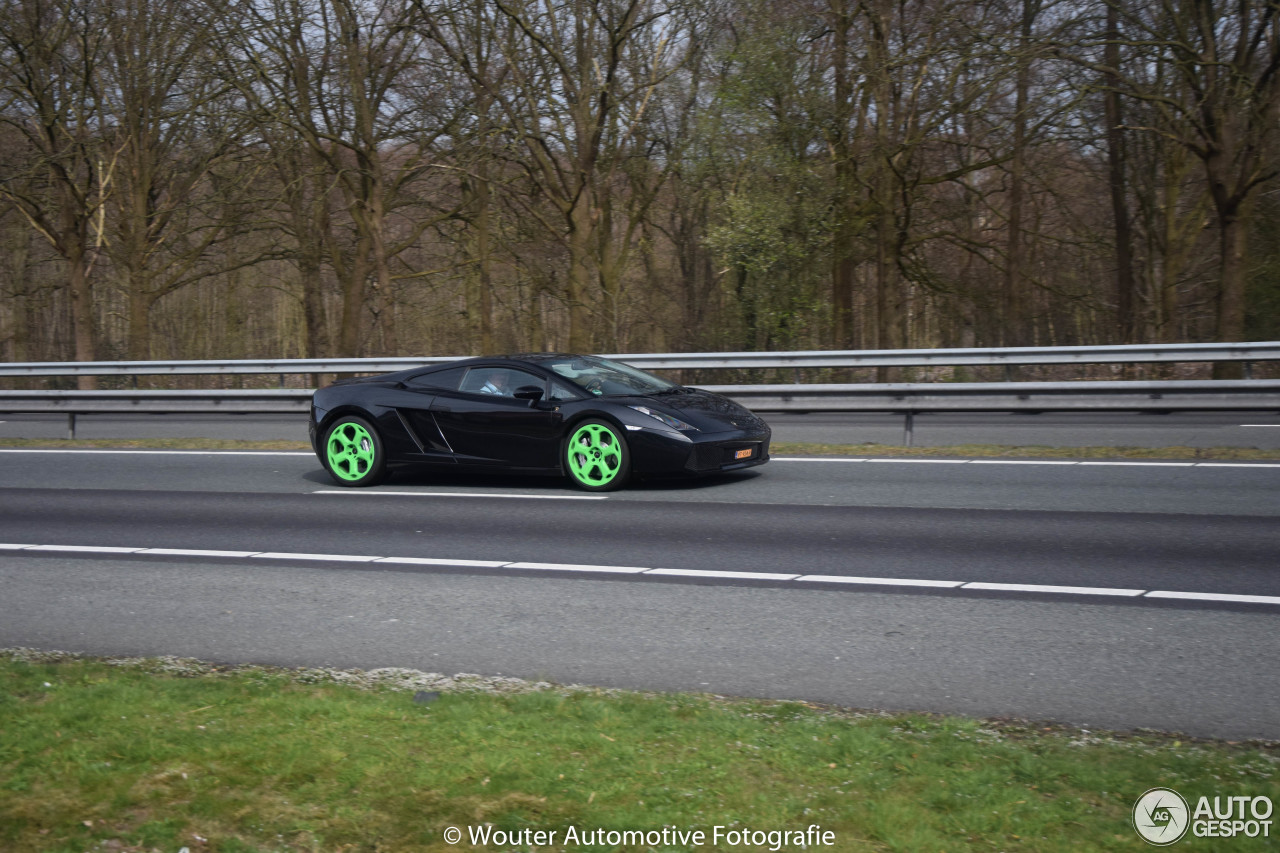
[
  {"x": 890, "y": 295},
  {"x": 350, "y": 335},
  {"x": 1231, "y": 295},
  {"x": 1126, "y": 319},
  {"x": 18, "y": 262},
  {"x": 139, "y": 335},
  {"x": 385, "y": 297},
  {"x": 480, "y": 274},
  {"x": 81, "y": 289},
  {"x": 843, "y": 265},
  {"x": 1015, "y": 327},
  {"x": 581, "y": 227}
]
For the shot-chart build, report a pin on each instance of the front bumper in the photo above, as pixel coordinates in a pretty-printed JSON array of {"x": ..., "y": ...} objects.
[
  {"x": 660, "y": 453},
  {"x": 727, "y": 455}
]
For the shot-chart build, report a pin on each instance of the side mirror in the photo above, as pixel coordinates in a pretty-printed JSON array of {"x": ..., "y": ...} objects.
[{"x": 532, "y": 393}]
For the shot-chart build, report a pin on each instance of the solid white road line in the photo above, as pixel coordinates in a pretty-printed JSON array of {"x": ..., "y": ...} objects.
[
  {"x": 569, "y": 567},
  {"x": 435, "y": 561},
  {"x": 375, "y": 492},
  {"x": 641, "y": 570},
  {"x": 1215, "y": 596},
  {"x": 342, "y": 558},
  {"x": 1066, "y": 590},
  {"x": 196, "y": 552},
  {"x": 924, "y": 461},
  {"x": 1022, "y": 462},
  {"x": 1142, "y": 464},
  {"x": 87, "y": 549},
  {"x": 879, "y": 581},
  {"x": 703, "y": 573},
  {"x": 1235, "y": 465}
]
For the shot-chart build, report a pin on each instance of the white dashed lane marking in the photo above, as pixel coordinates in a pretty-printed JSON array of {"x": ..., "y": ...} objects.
[
  {"x": 705, "y": 574},
  {"x": 377, "y": 493}
]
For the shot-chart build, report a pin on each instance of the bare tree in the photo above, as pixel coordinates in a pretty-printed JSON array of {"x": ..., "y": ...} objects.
[
  {"x": 915, "y": 92},
  {"x": 1117, "y": 166},
  {"x": 333, "y": 73},
  {"x": 49, "y": 58},
  {"x": 1226, "y": 58},
  {"x": 577, "y": 81},
  {"x": 175, "y": 138}
]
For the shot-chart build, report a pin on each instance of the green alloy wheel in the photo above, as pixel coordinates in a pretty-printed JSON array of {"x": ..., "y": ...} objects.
[
  {"x": 353, "y": 452},
  {"x": 596, "y": 457}
]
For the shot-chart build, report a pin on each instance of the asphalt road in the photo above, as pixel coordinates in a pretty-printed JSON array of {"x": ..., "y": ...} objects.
[
  {"x": 1044, "y": 591},
  {"x": 1053, "y": 429}
]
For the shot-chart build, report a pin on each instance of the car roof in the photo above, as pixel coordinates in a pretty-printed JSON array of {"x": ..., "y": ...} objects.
[
  {"x": 527, "y": 357},
  {"x": 534, "y": 358}
]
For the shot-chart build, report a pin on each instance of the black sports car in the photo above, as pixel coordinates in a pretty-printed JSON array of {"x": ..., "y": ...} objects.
[{"x": 598, "y": 422}]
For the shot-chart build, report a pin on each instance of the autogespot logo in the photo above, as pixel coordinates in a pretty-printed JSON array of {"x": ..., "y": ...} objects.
[{"x": 1161, "y": 816}]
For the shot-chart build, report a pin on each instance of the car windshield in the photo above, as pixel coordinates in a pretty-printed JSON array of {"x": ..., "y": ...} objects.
[{"x": 608, "y": 378}]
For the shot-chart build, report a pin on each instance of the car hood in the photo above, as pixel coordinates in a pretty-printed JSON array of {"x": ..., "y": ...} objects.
[{"x": 707, "y": 411}]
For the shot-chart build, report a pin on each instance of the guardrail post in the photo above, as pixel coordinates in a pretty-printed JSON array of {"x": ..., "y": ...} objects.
[
  {"x": 71, "y": 426},
  {"x": 908, "y": 429},
  {"x": 1248, "y": 370}
]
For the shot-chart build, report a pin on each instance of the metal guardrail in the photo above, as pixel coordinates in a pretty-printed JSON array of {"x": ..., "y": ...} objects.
[
  {"x": 906, "y": 399},
  {"x": 1120, "y": 354},
  {"x": 75, "y": 403},
  {"x": 911, "y": 399},
  {"x": 158, "y": 402},
  {"x": 1208, "y": 395},
  {"x": 210, "y": 368}
]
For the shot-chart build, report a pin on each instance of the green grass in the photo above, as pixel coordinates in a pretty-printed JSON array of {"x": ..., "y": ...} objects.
[{"x": 163, "y": 754}]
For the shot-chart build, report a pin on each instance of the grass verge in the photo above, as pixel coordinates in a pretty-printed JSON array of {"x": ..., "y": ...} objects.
[
  {"x": 162, "y": 754},
  {"x": 778, "y": 448}
]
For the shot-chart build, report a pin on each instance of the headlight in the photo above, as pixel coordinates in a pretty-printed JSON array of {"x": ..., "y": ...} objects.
[{"x": 674, "y": 423}]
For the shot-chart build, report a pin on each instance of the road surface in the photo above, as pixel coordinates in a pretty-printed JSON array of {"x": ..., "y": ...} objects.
[{"x": 1107, "y": 595}]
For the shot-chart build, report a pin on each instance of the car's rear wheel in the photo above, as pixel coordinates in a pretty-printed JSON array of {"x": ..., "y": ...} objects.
[
  {"x": 596, "y": 456},
  {"x": 353, "y": 452}
]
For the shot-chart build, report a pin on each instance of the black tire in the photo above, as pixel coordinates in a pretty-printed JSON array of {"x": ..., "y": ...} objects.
[
  {"x": 353, "y": 453},
  {"x": 595, "y": 456}
]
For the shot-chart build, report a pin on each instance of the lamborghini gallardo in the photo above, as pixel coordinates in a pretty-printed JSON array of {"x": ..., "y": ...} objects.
[{"x": 597, "y": 422}]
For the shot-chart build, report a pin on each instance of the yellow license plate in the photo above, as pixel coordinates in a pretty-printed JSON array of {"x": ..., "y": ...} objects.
[{"x": 743, "y": 454}]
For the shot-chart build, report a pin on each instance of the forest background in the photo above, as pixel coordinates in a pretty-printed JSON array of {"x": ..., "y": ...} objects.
[{"x": 184, "y": 179}]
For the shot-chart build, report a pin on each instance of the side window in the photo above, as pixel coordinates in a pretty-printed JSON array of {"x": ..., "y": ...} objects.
[
  {"x": 498, "y": 381},
  {"x": 446, "y": 380},
  {"x": 560, "y": 393}
]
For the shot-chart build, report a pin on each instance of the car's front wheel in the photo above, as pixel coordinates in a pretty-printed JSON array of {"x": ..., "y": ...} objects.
[
  {"x": 596, "y": 456},
  {"x": 353, "y": 452}
]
